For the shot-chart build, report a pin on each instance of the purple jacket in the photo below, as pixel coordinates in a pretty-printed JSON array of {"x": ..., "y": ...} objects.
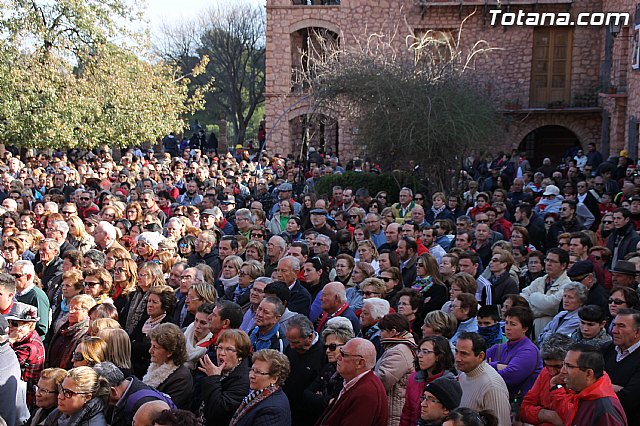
[{"x": 523, "y": 361}]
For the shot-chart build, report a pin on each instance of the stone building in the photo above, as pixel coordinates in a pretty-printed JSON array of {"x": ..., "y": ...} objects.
[{"x": 561, "y": 87}]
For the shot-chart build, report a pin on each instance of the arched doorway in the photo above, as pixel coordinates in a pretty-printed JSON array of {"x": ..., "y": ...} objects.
[
  {"x": 317, "y": 130},
  {"x": 553, "y": 142}
]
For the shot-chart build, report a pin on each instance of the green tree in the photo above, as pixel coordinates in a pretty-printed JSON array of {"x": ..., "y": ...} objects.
[{"x": 72, "y": 74}]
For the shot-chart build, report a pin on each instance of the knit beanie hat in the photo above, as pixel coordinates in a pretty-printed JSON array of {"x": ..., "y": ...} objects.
[{"x": 447, "y": 390}]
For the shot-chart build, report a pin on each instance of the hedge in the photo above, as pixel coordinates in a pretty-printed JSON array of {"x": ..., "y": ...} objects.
[{"x": 389, "y": 182}]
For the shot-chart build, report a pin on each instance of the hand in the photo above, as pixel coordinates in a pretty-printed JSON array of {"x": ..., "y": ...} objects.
[
  {"x": 209, "y": 368},
  {"x": 558, "y": 379},
  {"x": 550, "y": 416}
]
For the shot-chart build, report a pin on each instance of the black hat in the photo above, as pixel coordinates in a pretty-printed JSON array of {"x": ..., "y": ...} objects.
[
  {"x": 229, "y": 199},
  {"x": 625, "y": 267},
  {"x": 124, "y": 172},
  {"x": 318, "y": 211},
  {"x": 448, "y": 392},
  {"x": 580, "y": 269}
]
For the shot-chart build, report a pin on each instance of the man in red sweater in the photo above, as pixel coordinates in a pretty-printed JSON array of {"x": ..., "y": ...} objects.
[{"x": 363, "y": 400}]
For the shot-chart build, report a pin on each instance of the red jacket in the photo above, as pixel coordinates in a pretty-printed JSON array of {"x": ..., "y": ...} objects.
[
  {"x": 581, "y": 408},
  {"x": 363, "y": 404},
  {"x": 415, "y": 389},
  {"x": 538, "y": 398}
]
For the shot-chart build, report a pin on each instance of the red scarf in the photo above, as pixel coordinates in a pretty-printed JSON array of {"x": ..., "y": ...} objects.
[{"x": 326, "y": 317}]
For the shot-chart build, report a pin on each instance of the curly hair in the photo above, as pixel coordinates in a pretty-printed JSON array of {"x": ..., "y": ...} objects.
[
  {"x": 171, "y": 338},
  {"x": 167, "y": 297},
  {"x": 278, "y": 363}
]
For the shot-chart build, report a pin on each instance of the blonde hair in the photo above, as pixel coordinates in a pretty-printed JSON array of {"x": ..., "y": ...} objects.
[
  {"x": 100, "y": 324},
  {"x": 80, "y": 230},
  {"x": 83, "y": 300},
  {"x": 371, "y": 245},
  {"x": 93, "y": 350},
  {"x": 155, "y": 270},
  {"x": 206, "y": 292},
  {"x": 131, "y": 269},
  {"x": 118, "y": 347},
  {"x": 88, "y": 381},
  {"x": 207, "y": 273},
  {"x": 56, "y": 375},
  {"x": 236, "y": 261}
]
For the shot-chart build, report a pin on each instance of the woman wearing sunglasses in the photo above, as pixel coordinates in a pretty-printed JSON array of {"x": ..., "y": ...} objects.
[
  {"x": 621, "y": 298},
  {"x": 82, "y": 399},
  {"x": 328, "y": 384}
]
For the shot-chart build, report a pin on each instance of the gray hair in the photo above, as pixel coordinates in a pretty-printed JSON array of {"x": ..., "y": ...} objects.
[
  {"x": 277, "y": 303},
  {"x": 52, "y": 243},
  {"x": 61, "y": 226},
  {"x": 26, "y": 267},
  {"x": 217, "y": 213},
  {"x": 175, "y": 220},
  {"x": 555, "y": 346},
  {"x": 96, "y": 257},
  {"x": 108, "y": 371},
  {"x": 324, "y": 239},
  {"x": 108, "y": 229},
  {"x": 302, "y": 323},
  {"x": 582, "y": 293},
  {"x": 378, "y": 307},
  {"x": 291, "y": 261},
  {"x": 266, "y": 280},
  {"x": 279, "y": 241},
  {"x": 465, "y": 218},
  {"x": 245, "y": 214},
  {"x": 376, "y": 216},
  {"x": 340, "y": 327}
]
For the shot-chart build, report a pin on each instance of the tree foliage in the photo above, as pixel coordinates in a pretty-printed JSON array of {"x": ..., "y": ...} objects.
[
  {"x": 424, "y": 106},
  {"x": 232, "y": 36},
  {"x": 65, "y": 81}
]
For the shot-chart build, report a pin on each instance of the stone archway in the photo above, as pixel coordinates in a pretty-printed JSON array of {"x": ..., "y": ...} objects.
[
  {"x": 552, "y": 141},
  {"x": 317, "y": 130}
]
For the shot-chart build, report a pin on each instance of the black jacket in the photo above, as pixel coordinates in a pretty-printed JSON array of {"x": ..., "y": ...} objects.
[
  {"x": 304, "y": 370},
  {"x": 222, "y": 395},
  {"x": 211, "y": 259},
  {"x": 626, "y": 239},
  {"x": 300, "y": 300},
  {"x": 120, "y": 416},
  {"x": 179, "y": 386}
]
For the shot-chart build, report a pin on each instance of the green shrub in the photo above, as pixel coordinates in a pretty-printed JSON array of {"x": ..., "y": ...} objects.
[{"x": 389, "y": 182}]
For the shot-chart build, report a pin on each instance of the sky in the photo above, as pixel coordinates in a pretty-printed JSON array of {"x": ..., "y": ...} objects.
[{"x": 159, "y": 11}]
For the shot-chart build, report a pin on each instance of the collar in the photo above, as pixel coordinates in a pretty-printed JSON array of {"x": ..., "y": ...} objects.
[
  {"x": 623, "y": 354},
  {"x": 25, "y": 291},
  {"x": 351, "y": 383}
]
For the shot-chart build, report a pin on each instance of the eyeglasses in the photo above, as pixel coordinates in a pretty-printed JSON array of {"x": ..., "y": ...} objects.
[
  {"x": 243, "y": 274},
  {"x": 68, "y": 212},
  {"x": 418, "y": 198},
  {"x": 424, "y": 352},
  {"x": 345, "y": 355},
  {"x": 257, "y": 235},
  {"x": 333, "y": 346},
  {"x": 77, "y": 356},
  {"x": 370, "y": 293},
  {"x": 616, "y": 302},
  {"x": 421, "y": 264},
  {"x": 429, "y": 399},
  {"x": 385, "y": 279},
  {"x": 16, "y": 276},
  {"x": 91, "y": 284},
  {"x": 67, "y": 393},
  {"x": 569, "y": 366},
  {"x": 261, "y": 373},
  {"x": 84, "y": 198},
  {"x": 76, "y": 309},
  {"x": 118, "y": 270},
  {"x": 482, "y": 221},
  {"x": 228, "y": 349},
  {"x": 556, "y": 366},
  {"x": 38, "y": 389},
  {"x": 607, "y": 222},
  {"x": 549, "y": 222}
]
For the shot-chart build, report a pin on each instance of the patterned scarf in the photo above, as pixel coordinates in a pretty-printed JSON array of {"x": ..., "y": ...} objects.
[
  {"x": 492, "y": 334},
  {"x": 250, "y": 401},
  {"x": 436, "y": 212},
  {"x": 136, "y": 311},
  {"x": 151, "y": 323},
  {"x": 423, "y": 284}
]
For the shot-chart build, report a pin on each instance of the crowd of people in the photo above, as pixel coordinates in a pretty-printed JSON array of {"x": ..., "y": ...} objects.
[{"x": 187, "y": 287}]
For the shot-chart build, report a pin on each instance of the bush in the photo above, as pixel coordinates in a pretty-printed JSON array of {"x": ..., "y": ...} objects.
[{"x": 389, "y": 182}]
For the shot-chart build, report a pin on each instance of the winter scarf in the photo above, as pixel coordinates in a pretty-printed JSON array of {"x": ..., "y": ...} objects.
[
  {"x": 88, "y": 411},
  {"x": 491, "y": 334},
  {"x": 136, "y": 311},
  {"x": 250, "y": 401},
  {"x": 151, "y": 323},
  {"x": 158, "y": 373},
  {"x": 436, "y": 212},
  {"x": 599, "y": 389},
  {"x": 194, "y": 350},
  {"x": 229, "y": 282},
  {"x": 423, "y": 284}
]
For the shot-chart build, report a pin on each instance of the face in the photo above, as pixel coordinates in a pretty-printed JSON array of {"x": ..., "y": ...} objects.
[
  {"x": 455, "y": 291},
  {"x": 467, "y": 265},
  {"x": 297, "y": 342},
  {"x": 311, "y": 275},
  {"x": 154, "y": 306},
  {"x": 625, "y": 333},
  {"x": 617, "y": 302},
  {"x": 229, "y": 270},
  {"x": 92, "y": 286},
  {"x": 159, "y": 355},
  {"x": 18, "y": 330},
  {"x": 552, "y": 265},
  {"x": 431, "y": 409},
  {"x": 391, "y": 233},
  {"x": 404, "y": 307},
  {"x": 10, "y": 252},
  {"x": 534, "y": 265},
  {"x": 446, "y": 267},
  {"x": 227, "y": 353},
  {"x": 144, "y": 279},
  {"x": 193, "y": 301},
  {"x": 466, "y": 360},
  {"x": 285, "y": 272},
  {"x": 259, "y": 377},
  {"x": 591, "y": 329},
  {"x": 201, "y": 325},
  {"x": 570, "y": 301},
  {"x": 458, "y": 311},
  {"x": 389, "y": 281},
  {"x": 72, "y": 402},
  {"x": 513, "y": 329},
  {"x": 575, "y": 378},
  {"x": 265, "y": 315},
  {"x": 462, "y": 241},
  {"x": 619, "y": 220},
  {"x": 366, "y": 252},
  {"x": 77, "y": 313},
  {"x": 426, "y": 356},
  {"x": 47, "y": 394},
  {"x": 496, "y": 266}
]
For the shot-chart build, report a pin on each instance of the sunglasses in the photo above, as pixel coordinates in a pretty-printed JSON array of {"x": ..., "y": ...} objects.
[
  {"x": 77, "y": 356},
  {"x": 385, "y": 279},
  {"x": 370, "y": 293},
  {"x": 333, "y": 346},
  {"x": 617, "y": 302},
  {"x": 482, "y": 221},
  {"x": 607, "y": 222},
  {"x": 15, "y": 323}
]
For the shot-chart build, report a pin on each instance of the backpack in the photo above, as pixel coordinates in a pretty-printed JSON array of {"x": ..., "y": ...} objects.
[{"x": 135, "y": 397}]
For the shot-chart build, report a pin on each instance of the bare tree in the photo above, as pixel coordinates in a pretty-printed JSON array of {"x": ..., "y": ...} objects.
[{"x": 233, "y": 37}]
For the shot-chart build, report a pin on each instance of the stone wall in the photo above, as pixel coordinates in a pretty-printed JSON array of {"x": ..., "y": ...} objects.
[{"x": 505, "y": 72}]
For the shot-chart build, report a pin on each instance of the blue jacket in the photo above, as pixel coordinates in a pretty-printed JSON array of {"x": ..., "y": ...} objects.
[
  {"x": 273, "y": 339},
  {"x": 469, "y": 325},
  {"x": 272, "y": 411}
]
